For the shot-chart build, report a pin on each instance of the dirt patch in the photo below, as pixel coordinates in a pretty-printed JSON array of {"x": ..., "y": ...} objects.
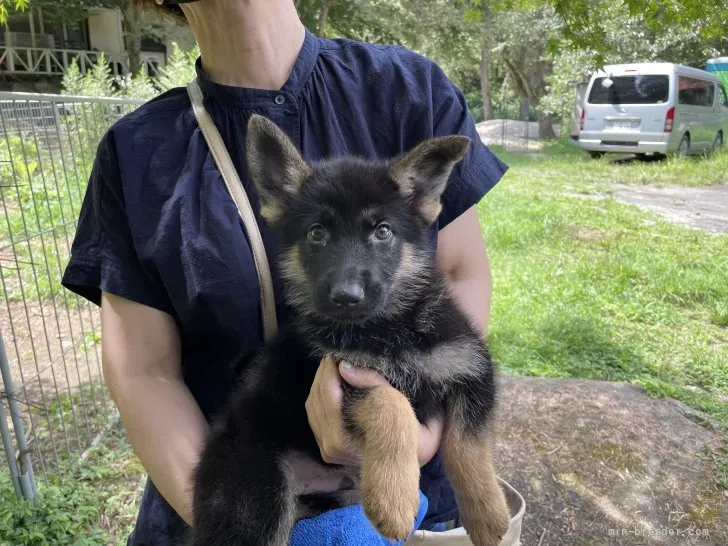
[
  {"x": 512, "y": 134},
  {"x": 52, "y": 348},
  {"x": 585, "y": 235},
  {"x": 602, "y": 463},
  {"x": 55, "y": 363},
  {"x": 701, "y": 208}
]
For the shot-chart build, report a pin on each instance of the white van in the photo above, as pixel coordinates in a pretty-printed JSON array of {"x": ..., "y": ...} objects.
[{"x": 657, "y": 108}]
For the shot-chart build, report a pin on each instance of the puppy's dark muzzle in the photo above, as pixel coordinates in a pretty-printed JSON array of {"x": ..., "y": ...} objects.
[{"x": 347, "y": 294}]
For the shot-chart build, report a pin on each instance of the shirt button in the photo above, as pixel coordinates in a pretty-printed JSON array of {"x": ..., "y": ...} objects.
[{"x": 280, "y": 99}]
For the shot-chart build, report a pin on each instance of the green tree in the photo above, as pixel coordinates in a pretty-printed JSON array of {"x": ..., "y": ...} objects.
[
  {"x": 582, "y": 20},
  {"x": 517, "y": 40},
  {"x": 68, "y": 11},
  {"x": 627, "y": 37},
  {"x": 435, "y": 28},
  {"x": 8, "y": 6}
]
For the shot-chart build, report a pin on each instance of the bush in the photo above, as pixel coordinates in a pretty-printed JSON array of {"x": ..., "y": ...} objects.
[
  {"x": 179, "y": 70},
  {"x": 92, "y": 503},
  {"x": 65, "y": 514},
  {"x": 100, "y": 81}
]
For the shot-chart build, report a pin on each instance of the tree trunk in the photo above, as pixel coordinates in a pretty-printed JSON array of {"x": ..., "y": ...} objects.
[
  {"x": 545, "y": 125},
  {"x": 132, "y": 35},
  {"x": 324, "y": 16},
  {"x": 485, "y": 83},
  {"x": 523, "y": 109},
  {"x": 521, "y": 85}
]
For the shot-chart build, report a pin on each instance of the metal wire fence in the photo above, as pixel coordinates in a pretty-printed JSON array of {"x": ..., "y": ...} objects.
[
  {"x": 53, "y": 398},
  {"x": 515, "y": 129},
  {"x": 53, "y": 403}
]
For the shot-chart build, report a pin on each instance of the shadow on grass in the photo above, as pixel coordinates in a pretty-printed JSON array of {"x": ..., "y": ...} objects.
[
  {"x": 565, "y": 345},
  {"x": 639, "y": 159}
]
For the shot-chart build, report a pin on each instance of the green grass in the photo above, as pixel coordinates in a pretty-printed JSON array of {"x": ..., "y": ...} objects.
[
  {"x": 591, "y": 288},
  {"x": 573, "y": 164}
]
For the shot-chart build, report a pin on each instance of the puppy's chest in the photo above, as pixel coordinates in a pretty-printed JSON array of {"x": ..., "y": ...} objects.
[{"x": 412, "y": 362}]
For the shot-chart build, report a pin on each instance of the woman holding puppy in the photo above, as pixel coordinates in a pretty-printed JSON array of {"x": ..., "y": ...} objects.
[{"x": 161, "y": 249}]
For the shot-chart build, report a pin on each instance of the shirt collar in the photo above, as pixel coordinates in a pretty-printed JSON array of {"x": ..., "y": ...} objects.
[{"x": 244, "y": 97}]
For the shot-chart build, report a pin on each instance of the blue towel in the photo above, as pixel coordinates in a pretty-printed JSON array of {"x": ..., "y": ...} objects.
[{"x": 346, "y": 526}]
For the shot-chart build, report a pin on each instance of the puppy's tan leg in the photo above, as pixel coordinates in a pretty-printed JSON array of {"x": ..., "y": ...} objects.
[
  {"x": 390, "y": 472},
  {"x": 469, "y": 465}
]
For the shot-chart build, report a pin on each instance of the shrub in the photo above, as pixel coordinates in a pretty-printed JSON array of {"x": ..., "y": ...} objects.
[
  {"x": 65, "y": 513},
  {"x": 179, "y": 70},
  {"x": 84, "y": 504},
  {"x": 100, "y": 82}
]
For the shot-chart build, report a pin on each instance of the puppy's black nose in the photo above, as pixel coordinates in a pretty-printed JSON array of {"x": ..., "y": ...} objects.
[{"x": 347, "y": 293}]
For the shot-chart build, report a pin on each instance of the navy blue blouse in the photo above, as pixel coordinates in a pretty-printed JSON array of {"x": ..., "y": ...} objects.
[{"x": 158, "y": 227}]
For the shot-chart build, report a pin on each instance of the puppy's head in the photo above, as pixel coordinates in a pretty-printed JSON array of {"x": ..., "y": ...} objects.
[{"x": 354, "y": 233}]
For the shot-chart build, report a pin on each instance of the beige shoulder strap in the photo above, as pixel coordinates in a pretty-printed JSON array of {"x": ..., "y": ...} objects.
[{"x": 237, "y": 192}]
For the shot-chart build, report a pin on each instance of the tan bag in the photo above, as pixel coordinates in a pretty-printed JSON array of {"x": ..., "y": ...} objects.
[
  {"x": 454, "y": 537},
  {"x": 458, "y": 536}
]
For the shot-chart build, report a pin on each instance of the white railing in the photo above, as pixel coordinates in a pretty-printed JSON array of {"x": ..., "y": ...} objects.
[{"x": 55, "y": 62}]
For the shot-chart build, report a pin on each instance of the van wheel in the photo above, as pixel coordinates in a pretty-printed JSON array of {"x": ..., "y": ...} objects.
[
  {"x": 684, "y": 148},
  {"x": 596, "y": 155},
  {"x": 717, "y": 144}
]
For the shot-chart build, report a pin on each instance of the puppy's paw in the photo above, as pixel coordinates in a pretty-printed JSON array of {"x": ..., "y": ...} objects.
[
  {"x": 393, "y": 517},
  {"x": 486, "y": 522},
  {"x": 391, "y": 499}
]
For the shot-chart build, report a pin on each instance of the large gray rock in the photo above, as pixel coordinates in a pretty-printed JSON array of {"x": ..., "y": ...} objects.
[{"x": 603, "y": 463}]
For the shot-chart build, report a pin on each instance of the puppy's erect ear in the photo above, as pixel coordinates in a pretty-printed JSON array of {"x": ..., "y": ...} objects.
[
  {"x": 275, "y": 165},
  {"x": 422, "y": 173}
]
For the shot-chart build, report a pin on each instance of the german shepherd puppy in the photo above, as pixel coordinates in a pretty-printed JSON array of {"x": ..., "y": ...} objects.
[{"x": 362, "y": 282}]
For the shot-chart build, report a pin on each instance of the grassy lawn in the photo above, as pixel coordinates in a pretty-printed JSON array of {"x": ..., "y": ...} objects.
[
  {"x": 584, "y": 288},
  {"x": 591, "y": 288},
  {"x": 571, "y": 164}
]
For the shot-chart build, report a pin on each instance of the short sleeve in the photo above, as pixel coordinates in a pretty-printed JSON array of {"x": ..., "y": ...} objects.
[
  {"x": 103, "y": 257},
  {"x": 480, "y": 170}
]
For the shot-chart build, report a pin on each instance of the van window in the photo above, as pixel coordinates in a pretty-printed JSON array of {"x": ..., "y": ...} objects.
[
  {"x": 641, "y": 89},
  {"x": 723, "y": 96},
  {"x": 695, "y": 92}
]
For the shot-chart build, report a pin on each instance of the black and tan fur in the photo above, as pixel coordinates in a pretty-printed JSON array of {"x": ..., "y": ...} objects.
[{"x": 363, "y": 285}]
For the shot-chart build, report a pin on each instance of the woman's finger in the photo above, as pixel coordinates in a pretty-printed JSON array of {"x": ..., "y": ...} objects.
[
  {"x": 330, "y": 391},
  {"x": 313, "y": 408},
  {"x": 324, "y": 408},
  {"x": 359, "y": 377},
  {"x": 430, "y": 438}
]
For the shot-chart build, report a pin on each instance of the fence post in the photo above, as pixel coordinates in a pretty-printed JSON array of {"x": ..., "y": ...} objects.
[
  {"x": 9, "y": 452},
  {"x": 25, "y": 475}
]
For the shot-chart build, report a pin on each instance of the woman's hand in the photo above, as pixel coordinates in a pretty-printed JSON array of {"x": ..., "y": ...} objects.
[{"x": 323, "y": 407}]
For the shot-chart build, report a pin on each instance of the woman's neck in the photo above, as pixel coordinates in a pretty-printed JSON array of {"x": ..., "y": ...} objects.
[{"x": 247, "y": 43}]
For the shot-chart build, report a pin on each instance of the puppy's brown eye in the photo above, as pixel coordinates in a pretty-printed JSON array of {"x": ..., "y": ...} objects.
[
  {"x": 316, "y": 234},
  {"x": 383, "y": 232}
]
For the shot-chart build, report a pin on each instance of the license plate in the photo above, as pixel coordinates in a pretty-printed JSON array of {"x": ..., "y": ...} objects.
[{"x": 622, "y": 124}]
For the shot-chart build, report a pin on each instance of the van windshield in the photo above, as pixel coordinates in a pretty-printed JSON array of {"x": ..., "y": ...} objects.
[{"x": 641, "y": 89}]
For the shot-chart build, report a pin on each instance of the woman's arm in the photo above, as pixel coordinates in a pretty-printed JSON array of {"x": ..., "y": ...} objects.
[
  {"x": 143, "y": 370},
  {"x": 462, "y": 257}
]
